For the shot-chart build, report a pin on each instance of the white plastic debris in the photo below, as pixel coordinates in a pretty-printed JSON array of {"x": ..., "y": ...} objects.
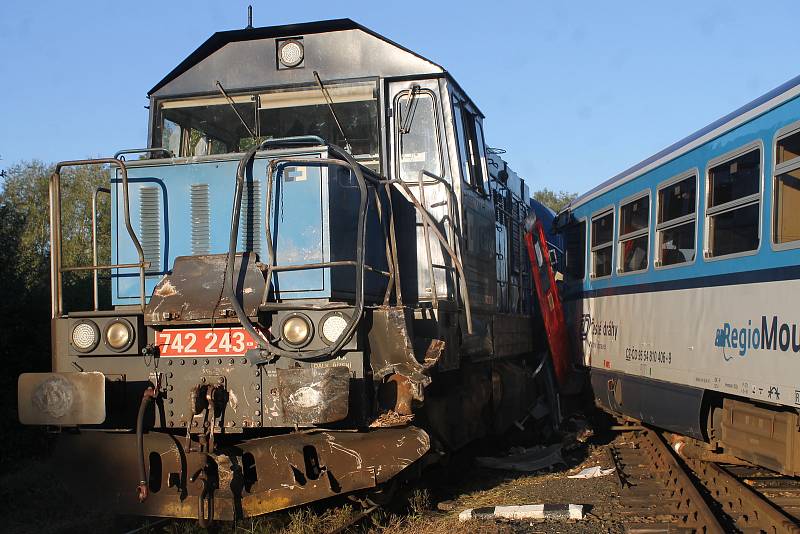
[
  {"x": 527, "y": 511},
  {"x": 592, "y": 472}
]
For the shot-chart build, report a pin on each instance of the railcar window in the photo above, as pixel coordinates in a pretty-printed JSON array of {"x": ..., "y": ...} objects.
[
  {"x": 733, "y": 205},
  {"x": 786, "y": 206},
  {"x": 575, "y": 238},
  {"x": 634, "y": 238},
  {"x": 675, "y": 223},
  {"x": 788, "y": 148},
  {"x": 602, "y": 244},
  {"x": 417, "y": 135}
]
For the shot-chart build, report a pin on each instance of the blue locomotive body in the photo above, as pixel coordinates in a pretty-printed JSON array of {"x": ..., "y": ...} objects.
[{"x": 312, "y": 271}]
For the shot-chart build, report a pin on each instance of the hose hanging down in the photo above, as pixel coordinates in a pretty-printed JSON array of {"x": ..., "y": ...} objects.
[{"x": 148, "y": 396}]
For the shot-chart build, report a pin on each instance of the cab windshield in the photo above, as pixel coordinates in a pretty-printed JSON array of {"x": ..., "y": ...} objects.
[{"x": 221, "y": 125}]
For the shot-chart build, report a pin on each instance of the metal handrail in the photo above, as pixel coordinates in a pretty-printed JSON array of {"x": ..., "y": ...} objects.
[
  {"x": 266, "y": 348},
  {"x": 143, "y": 151},
  {"x": 427, "y": 218},
  {"x": 56, "y": 268}
]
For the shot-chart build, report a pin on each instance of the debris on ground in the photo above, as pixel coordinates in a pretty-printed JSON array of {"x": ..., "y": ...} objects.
[
  {"x": 580, "y": 435},
  {"x": 524, "y": 512},
  {"x": 525, "y": 460},
  {"x": 593, "y": 472}
]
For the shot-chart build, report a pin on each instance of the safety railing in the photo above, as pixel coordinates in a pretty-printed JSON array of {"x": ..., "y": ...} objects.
[
  {"x": 121, "y": 154},
  {"x": 449, "y": 243},
  {"x": 56, "y": 268},
  {"x": 429, "y": 226},
  {"x": 266, "y": 346}
]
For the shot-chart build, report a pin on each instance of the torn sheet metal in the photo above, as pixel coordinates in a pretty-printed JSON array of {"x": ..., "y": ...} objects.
[
  {"x": 193, "y": 293},
  {"x": 393, "y": 352},
  {"x": 526, "y": 460}
]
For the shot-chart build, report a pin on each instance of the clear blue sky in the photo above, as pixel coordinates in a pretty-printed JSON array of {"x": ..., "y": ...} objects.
[{"x": 575, "y": 91}]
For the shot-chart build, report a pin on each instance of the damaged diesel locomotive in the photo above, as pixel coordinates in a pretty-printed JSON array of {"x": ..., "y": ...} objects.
[{"x": 317, "y": 278}]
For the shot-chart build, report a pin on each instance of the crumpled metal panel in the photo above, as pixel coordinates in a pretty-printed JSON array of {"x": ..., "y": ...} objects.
[
  {"x": 62, "y": 398},
  {"x": 314, "y": 395},
  {"x": 192, "y": 293},
  {"x": 391, "y": 349},
  {"x": 255, "y": 477}
]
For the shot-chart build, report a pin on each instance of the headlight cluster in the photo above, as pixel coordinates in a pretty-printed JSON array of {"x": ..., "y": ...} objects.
[
  {"x": 297, "y": 329},
  {"x": 118, "y": 335}
]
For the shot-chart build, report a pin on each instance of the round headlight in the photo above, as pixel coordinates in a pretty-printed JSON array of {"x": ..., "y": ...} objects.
[
  {"x": 85, "y": 336},
  {"x": 291, "y": 53},
  {"x": 333, "y": 326},
  {"x": 296, "y": 330},
  {"x": 119, "y": 335}
]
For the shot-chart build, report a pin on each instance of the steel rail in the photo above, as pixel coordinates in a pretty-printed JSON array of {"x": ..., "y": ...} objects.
[
  {"x": 746, "y": 506},
  {"x": 692, "y": 509}
]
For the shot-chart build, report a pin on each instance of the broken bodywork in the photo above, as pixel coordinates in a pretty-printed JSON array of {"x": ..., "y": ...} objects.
[{"x": 255, "y": 477}]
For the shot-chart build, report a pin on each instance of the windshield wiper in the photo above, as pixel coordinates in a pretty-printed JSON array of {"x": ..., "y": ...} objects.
[
  {"x": 329, "y": 101},
  {"x": 233, "y": 107},
  {"x": 411, "y": 108}
]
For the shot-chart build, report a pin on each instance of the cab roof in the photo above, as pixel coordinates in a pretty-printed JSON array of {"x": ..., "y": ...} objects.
[{"x": 339, "y": 48}]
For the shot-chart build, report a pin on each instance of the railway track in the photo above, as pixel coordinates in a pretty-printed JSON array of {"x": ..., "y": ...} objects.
[
  {"x": 656, "y": 492},
  {"x": 663, "y": 492}
]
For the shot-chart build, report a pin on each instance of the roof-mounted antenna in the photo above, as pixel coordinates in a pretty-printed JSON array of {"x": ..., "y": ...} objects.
[{"x": 249, "y": 18}]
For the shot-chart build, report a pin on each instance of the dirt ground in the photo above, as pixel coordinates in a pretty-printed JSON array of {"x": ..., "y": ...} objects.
[{"x": 36, "y": 503}]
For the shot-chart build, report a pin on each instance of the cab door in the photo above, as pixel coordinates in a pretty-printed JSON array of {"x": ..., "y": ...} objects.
[
  {"x": 419, "y": 157},
  {"x": 478, "y": 225}
]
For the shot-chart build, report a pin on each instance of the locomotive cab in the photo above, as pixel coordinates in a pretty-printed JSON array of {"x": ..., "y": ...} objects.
[{"x": 307, "y": 247}]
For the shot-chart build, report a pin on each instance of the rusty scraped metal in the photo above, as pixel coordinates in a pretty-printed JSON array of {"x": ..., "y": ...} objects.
[
  {"x": 314, "y": 394},
  {"x": 392, "y": 351},
  {"x": 193, "y": 293},
  {"x": 254, "y": 477}
]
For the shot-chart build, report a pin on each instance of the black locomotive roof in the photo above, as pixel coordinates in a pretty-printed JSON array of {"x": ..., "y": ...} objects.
[{"x": 220, "y": 39}]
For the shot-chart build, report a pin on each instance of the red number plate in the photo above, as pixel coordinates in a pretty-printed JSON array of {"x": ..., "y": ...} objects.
[{"x": 204, "y": 342}]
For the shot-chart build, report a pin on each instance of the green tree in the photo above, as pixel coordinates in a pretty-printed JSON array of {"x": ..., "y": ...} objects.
[
  {"x": 26, "y": 193},
  {"x": 556, "y": 201}
]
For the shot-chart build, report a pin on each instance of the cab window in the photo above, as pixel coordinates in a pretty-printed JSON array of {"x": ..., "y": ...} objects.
[
  {"x": 416, "y": 129},
  {"x": 470, "y": 146},
  {"x": 218, "y": 125}
]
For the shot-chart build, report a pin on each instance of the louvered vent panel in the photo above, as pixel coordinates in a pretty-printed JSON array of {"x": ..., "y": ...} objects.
[
  {"x": 201, "y": 219},
  {"x": 150, "y": 226},
  {"x": 250, "y": 225}
]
